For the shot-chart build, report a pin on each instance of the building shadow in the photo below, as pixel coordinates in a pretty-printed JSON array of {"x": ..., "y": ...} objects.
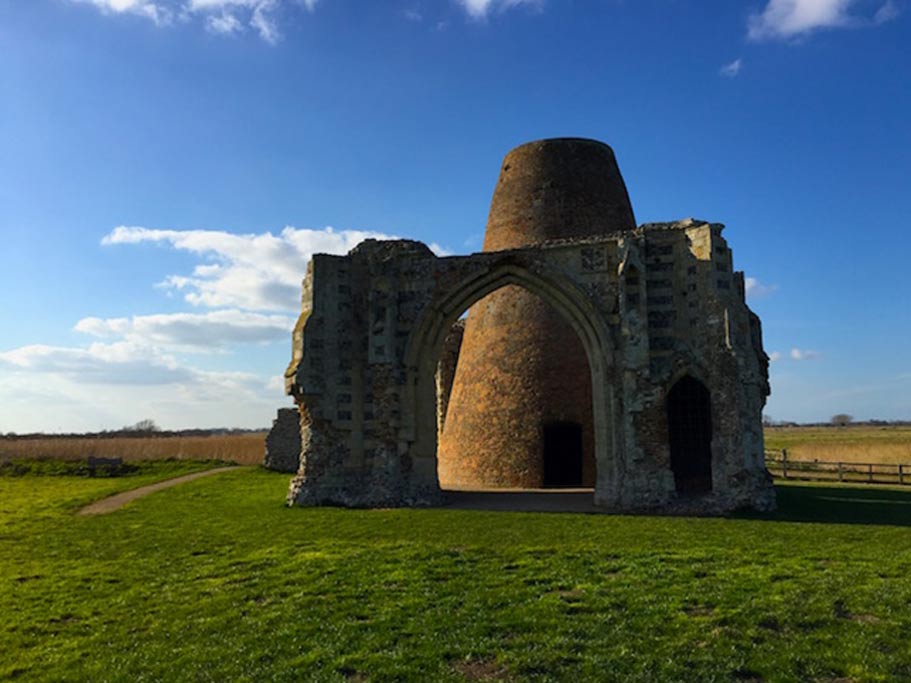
[
  {"x": 841, "y": 504},
  {"x": 824, "y": 504},
  {"x": 522, "y": 500}
]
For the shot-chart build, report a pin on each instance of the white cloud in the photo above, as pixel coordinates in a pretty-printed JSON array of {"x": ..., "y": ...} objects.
[
  {"x": 260, "y": 15},
  {"x": 756, "y": 289},
  {"x": 795, "y": 354},
  {"x": 804, "y": 354},
  {"x": 225, "y": 17},
  {"x": 233, "y": 17},
  {"x": 786, "y": 19},
  {"x": 260, "y": 272},
  {"x": 110, "y": 385},
  {"x": 265, "y": 27},
  {"x": 138, "y": 367},
  {"x": 192, "y": 331},
  {"x": 731, "y": 70},
  {"x": 156, "y": 11},
  {"x": 117, "y": 363},
  {"x": 225, "y": 23},
  {"x": 479, "y": 9}
]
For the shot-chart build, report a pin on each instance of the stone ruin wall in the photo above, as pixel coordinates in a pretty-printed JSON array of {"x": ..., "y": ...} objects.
[
  {"x": 446, "y": 370},
  {"x": 651, "y": 305},
  {"x": 283, "y": 442}
]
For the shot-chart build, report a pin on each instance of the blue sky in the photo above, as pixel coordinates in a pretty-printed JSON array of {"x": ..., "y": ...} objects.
[{"x": 168, "y": 166}]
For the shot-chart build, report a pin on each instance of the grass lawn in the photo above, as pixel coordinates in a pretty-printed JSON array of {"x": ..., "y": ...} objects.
[{"x": 215, "y": 580}]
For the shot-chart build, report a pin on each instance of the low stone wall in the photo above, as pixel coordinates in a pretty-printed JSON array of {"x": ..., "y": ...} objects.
[{"x": 283, "y": 443}]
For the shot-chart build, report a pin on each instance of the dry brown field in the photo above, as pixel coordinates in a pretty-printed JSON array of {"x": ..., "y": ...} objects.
[
  {"x": 851, "y": 444},
  {"x": 859, "y": 443},
  {"x": 243, "y": 449}
]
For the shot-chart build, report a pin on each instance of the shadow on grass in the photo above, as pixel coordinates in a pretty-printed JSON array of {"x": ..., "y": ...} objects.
[
  {"x": 839, "y": 505},
  {"x": 829, "y": 504},
  {"x": 523, "y": 500}
]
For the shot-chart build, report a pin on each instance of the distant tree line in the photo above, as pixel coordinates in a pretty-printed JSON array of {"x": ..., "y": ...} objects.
[
  {"x": 143, "y": 429},
  {"x": 839, "y": 420}
]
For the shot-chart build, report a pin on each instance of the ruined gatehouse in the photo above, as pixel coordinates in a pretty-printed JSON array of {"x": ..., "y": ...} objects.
[{"x": 603, "y": 354}]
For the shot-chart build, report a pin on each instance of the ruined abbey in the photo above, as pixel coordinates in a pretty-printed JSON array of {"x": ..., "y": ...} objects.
[{"x": 596, "y": 353}]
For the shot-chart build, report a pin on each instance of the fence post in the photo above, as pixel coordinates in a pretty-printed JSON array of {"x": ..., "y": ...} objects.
[
  {"x": 901, "y": 474},
  {"x": 841, "y": 471},
  {"x": 784, "y": 463},
  {"x": 870, "y": 470}
]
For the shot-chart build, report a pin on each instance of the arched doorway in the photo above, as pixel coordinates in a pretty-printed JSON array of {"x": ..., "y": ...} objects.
[
  {"x": 567, "y": 298},
  {"x": 521, "y": 368},
  {"x": 689, "y": 421}
]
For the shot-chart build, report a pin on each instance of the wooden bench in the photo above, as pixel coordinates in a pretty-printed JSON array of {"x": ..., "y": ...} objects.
[{"x": 114, "y": 466}]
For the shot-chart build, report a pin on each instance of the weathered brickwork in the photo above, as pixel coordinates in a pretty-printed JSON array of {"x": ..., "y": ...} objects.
[
  {"x": 649, "y": 308},
  {"x": 522, "y": 366}
]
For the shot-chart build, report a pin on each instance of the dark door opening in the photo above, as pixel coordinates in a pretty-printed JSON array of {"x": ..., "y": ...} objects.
[
  {"x": 689, "y": 421},
  {"x": 563, "y": 454}
]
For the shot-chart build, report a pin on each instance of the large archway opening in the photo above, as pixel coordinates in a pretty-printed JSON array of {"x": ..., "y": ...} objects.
[
  {"x": 519, "y": 414},
  {"x": 558, "y": 437},
  {"x": 689, "y": 420}
]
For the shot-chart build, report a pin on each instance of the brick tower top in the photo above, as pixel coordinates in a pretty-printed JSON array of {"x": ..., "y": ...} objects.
[{"x": 554, "y": 189}]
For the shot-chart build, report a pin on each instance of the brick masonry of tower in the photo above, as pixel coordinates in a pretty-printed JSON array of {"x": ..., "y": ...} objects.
[{"x": 522, "y": 366}]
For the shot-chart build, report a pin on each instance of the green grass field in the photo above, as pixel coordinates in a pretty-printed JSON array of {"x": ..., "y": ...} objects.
[{"x": 215, "y": 580}]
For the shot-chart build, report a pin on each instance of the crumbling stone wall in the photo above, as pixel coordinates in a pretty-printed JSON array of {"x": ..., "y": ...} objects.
[
  {"x": 283, "y": 442},
  {"x": 649, "y": 306},
  {"x": 446, "y": 369}
]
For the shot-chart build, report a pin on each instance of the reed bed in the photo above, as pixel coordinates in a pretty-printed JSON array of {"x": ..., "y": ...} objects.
[
  {"x": 859, "y": 444},
  {"x": 243, "y": 449}
]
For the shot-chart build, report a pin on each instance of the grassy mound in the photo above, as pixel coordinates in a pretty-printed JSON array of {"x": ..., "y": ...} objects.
[{"x": 216, "y": 580}]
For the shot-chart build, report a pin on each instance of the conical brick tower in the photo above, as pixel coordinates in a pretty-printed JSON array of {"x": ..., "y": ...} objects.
[{"x": 520, "y": 411}]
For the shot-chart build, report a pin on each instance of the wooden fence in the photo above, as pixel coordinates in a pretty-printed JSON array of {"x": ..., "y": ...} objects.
[{"x": 782, "y": 467}]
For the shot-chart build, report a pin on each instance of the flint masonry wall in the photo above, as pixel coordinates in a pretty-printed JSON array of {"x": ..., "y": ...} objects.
[
  {"x": 283, "y": 442},
  {"x": 446, "y": 370},
  {"x": 649, "y": 306}
]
